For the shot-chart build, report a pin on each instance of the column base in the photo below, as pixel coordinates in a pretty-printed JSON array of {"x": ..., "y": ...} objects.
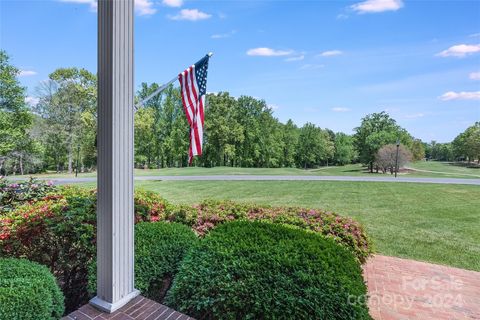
[{"x": 112, "y": 307}]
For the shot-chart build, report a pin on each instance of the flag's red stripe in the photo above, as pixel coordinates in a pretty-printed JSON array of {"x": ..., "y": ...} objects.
[
  {"x": 180, "y": 78},
  {"x": 187, "y": 90},
  {"x": 193, "y": 87}
]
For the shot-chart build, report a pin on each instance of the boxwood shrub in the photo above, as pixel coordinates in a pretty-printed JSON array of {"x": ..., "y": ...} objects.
[
  {"x": 259, "y": 270},
  {"x": 28, "y": 291},
  {"x": 159, "y": 249}
]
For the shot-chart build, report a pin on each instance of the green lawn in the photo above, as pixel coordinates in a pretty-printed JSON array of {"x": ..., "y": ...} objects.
[
  {"x": 435, "y": 223},
  {"x": 439, "y": 169},
  {"x": 445, "y": 169}
]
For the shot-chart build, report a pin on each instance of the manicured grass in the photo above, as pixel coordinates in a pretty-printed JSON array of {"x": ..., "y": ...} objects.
[
  {"x": 429, "y": 222},
  {"x": 439, "y": 169},
  {"x": 445, "y": 169}
]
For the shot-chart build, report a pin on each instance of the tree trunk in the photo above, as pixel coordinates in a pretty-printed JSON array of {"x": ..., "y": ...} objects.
[
  {"x": 21, "y": 164},
  {"x": 70, "y": 159}
]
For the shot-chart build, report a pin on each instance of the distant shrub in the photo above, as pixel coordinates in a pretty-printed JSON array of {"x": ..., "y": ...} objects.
[
  {"x": 17, "y": 193},
  {"x": 159, "y": 249},
  {"x": 28, "y": 291},
  {"x": 259, "y": 270},
  {"x": 208, "y": 214}
]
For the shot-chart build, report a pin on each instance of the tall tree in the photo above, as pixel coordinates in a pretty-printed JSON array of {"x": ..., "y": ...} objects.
[
  {"x": 290, "y": 133},
  {"x": 65, "y": 97},
  {"x": 313, "y": 147},
  {"x": 467, "y": 144},
  {"x": 418, "y": 150},
  {"x": 345, "y": 151},
  {"x": 15, "y": 117},
  {"x": 375, "y": 131}
]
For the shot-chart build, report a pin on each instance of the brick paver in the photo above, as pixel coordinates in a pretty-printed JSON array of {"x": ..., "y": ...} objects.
[
  {"x": 139, "y": 308},
  {"x": 408, "y": 289}
]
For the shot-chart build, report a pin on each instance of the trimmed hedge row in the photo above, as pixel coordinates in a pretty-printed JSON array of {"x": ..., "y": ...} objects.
[
  {"x": 28, "y": 291},
  {"x": 159, "y": 250},
  {"x": 259, "y": 270}
]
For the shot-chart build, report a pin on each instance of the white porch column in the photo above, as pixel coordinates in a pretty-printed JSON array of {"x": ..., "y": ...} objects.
[{"x": 115, "y": 244}]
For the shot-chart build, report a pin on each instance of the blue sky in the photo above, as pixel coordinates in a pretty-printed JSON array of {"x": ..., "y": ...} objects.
[{"x": 327, "y": 62}]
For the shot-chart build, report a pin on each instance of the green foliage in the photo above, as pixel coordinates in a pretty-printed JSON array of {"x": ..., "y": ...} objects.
[
  {"x": 314, "y": 146},
  {"x": 28, "y": 291},
  {"x": 159, "y": 250},
  {"x": 418, "y": 150},
  {"x": 67, "y": 124},
  {"x": 440, "y": 151},
  {"x": 245, "y": 270},
  {"x": 345, "y": 152},
  {"x": 467, "y": 144},
  {"x": 376, "y": 131},
  {"x": 13, "y": 194},
  {"x": 59, "y": 230},
  {"x": 15, "y": 118},
  {"x": 208, "y": 214}
]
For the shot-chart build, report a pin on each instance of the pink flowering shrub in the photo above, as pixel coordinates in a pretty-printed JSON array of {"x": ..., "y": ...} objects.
[
  {"x": 59, "y": 232},
  {"x": 208, "y": 214}
]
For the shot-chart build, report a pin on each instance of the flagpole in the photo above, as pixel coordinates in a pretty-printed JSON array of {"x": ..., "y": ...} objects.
[{"x": 163, "y": 87}]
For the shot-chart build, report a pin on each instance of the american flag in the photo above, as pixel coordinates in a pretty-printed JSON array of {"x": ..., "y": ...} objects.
[{"x": 193, "y": 86}]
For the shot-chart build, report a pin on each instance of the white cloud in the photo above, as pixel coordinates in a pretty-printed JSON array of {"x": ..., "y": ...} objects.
[
  {"x": 331, "y": 53},
  {"x": 26, "y": 73},
  {"x": 173, "y": 3},
  {"x": 464, "y": 95},
  {"x": 474, "y": 75},
  {"x": 142, "y": 7},
  {"x": 268, "y": 52},
  {"x": 340, "y": 109},
  {"x": 374, "y": 6},
  {"x": 32, "y": 101},
  {"x": 297, "y": 58},
  {"x": 223, "y": 35},
  {"x": 311, "y": 66},
  {"x": 273, "y": 106},
  {"x": 191, "y": 15},
  {"x": 342, "y": 16},
  {"x": 460, "y": 50},
  {"x": 474, "y": 35}
]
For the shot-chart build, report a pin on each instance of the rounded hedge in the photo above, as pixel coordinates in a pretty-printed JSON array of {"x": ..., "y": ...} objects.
[
  {"x": 28, "y": 291},
  {"x": 159, "y": 249},
  {"x": 259, "y": 270}
]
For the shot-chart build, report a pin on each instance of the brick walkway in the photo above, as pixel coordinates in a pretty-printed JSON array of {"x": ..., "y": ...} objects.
[
  {"x": 139, "y": 308},
  {"x": 408, "y": 289}
]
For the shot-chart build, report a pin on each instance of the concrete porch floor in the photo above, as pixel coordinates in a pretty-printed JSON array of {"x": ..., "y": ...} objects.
[{"x": 139, "y": 308}]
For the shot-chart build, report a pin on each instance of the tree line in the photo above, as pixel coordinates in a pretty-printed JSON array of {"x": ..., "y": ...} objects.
[{"x": 59, "y": 132}]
